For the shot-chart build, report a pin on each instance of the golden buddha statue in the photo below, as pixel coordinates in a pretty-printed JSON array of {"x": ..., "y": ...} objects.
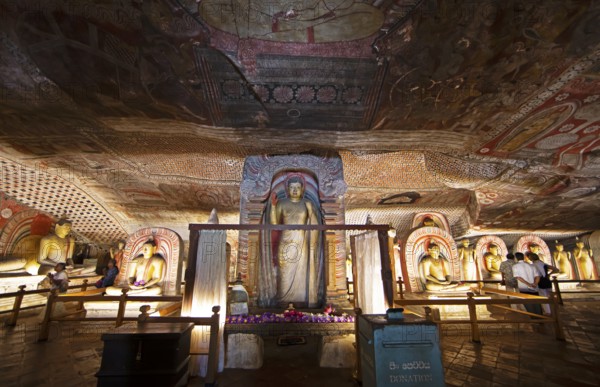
[
  {"x": 429, "y": 222},
  {"x": 466, "y": 257},
  {"x": 434, "y": 271},
  {"x": 144, "y": 273},
  {"x": 297, "y": 249},
  {"x": 535, "y": 249},
  {"x": 493, "y": 260},
  {"x": 562, "y": 260},
  {"x": 584, "y": 261},
  {"x": 56, "y": 248}
]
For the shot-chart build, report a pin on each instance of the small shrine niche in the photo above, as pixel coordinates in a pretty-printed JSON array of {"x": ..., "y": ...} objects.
[
  {"x": 416, "y": 244},
  {"x": 168, "y": 246},
  {"x": 483, "y": 249},
  {"x": 264, "y": 180},
  {"x": 527, "y": 243}
]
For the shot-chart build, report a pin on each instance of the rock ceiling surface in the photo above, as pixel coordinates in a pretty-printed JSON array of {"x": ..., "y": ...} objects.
[{"x": 129, "y": 114}]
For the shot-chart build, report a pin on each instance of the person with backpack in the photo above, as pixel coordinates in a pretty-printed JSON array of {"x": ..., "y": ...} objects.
[{"x": 545, "y": 284}]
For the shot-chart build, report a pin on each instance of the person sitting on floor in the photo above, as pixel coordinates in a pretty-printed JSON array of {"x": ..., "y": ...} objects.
[{"x": 109, "y": 276}]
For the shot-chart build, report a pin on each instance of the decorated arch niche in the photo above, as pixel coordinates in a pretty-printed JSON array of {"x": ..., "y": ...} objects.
[
  {"x": 435, "y": 218},
  {"x": 168, "y": 246},
  {"x": 415, "y": 249},
  {"x": 20, "y": 239},
  {"x": 525, "y": 243},
  {"x": 263, "y": 179},
  {"x": 482, "y": 247}
]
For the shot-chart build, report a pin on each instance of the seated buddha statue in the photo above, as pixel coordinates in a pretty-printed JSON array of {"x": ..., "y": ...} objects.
[
  {"x": 144, "y": 273},
  {"x": 435, "y": 272},
  {"x": 56, "y": 248},
  {"x": 535, "y": 249},
  {"x": 584, "y": 261},
  {"x": 492, "y": 260},
  {"x": 562, "y": 260}
]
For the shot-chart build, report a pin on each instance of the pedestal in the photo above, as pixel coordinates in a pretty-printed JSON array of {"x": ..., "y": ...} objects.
[
  {"x": 337, "y": 351},
  {"x": 244, "y": 351}
]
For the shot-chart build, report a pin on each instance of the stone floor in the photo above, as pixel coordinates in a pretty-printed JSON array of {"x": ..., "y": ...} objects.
[{"x": 523, "y": 356}]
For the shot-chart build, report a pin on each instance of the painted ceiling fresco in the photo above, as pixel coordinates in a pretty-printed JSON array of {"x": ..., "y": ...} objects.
[{"x": 130, "y": 114}]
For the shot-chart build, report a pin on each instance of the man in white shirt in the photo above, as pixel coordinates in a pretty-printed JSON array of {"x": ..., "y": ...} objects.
[{"x": 527, "y": 279}]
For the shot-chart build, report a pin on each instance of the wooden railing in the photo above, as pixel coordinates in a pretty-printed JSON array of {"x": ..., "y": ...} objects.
[
  {"x": 556, "y": 283},
  {"x": 54, "y": 297},
  {"x": 471, "y": 302},
  {"x": 19, "y": 295},
  {"x": 143, "y": 318}
]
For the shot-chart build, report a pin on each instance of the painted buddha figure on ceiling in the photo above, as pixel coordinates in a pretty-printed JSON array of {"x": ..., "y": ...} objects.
[
  {"x": 562, "y": 260},
  {"x": 493, "y": 260},
  {"x": 434, "y": 270},
  {"x": 57, "y": 247},
  {"x": 144, "y": 273}
]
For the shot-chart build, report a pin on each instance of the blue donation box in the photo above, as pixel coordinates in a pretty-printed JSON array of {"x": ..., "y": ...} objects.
[{"x": 399, "y": 350}]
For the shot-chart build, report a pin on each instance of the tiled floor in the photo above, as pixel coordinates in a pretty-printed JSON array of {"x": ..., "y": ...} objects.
[{"x": 518, "y": 357}]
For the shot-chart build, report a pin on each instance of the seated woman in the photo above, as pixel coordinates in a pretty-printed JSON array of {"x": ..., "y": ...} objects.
[
  {"x": 109, "y": 276},
  {"x": 145, "y": 273},
  {"x": 435, "y": 272}
]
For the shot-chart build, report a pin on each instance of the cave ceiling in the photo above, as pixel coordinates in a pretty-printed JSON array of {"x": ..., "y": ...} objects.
[{"x": 130, "y": 114}]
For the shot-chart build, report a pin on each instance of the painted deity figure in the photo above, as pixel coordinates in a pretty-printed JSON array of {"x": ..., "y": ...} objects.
[
  {"x": 299, "y": 263},
  {"x": 493, "y": 260},
  {"x": 466, "y": 257},
  {"x": 562, "y": 260},
  {"x": 56, "y": 248},
  {"x": 584, "y": 261},
  {"x": 434, "y": 271},
  {"x": 144, "y": 273},
  {"x": 117, "y": 254}
]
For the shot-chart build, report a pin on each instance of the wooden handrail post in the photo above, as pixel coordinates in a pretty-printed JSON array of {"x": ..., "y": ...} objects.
[
  {"x": 473, "y": 317},
  {"x": 45, "y": 325},
  {"x": 213, "y": 348},
  {"x": 12, "y": 321},
  {"x": 122, "y": 303},
  {"x": 428, "y": 315},
  {"x": 358, "y": 370},
  {"x": 401, "y": 288},
  {"x": 143, "y": 317},
  {"x": 84, "y": 286},
  {"x": 557, "y": 290},
  {"x": 558, "y": 329}
]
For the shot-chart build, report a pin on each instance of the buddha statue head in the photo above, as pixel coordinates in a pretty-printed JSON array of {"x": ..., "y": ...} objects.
[
  {"x": 534, "y": 248},
  {"x": 63, "y": 228},
  {"x": 295, "y": 188},
  {"x": 559, "y": 246},
  {"x": 149, "y": 249},
  {"x": 493, "y": 249},
  {"x": 433, "y": 250},
  {"x": 465, "y": 242}
]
